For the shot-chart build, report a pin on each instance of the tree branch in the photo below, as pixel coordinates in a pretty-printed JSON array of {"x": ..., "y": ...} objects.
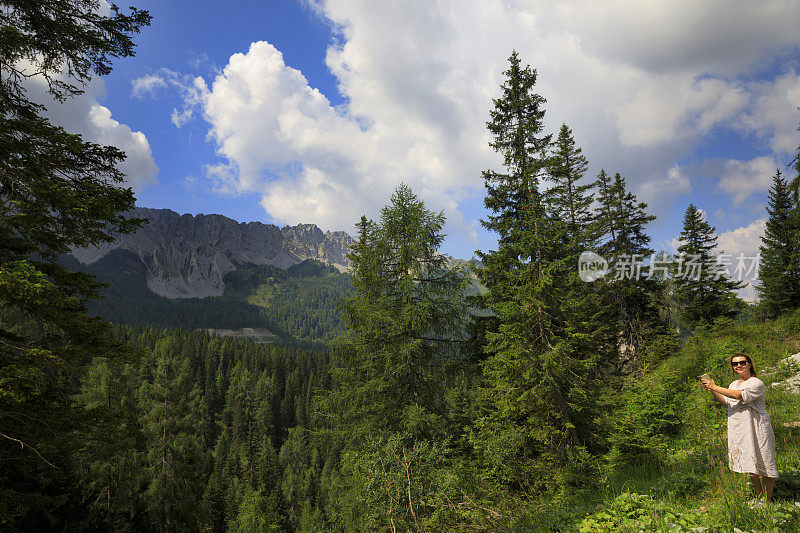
[{"x": 23, "y": 445}]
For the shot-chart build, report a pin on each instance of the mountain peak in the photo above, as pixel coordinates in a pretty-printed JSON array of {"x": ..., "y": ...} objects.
[{"x": 187, "y": 255}]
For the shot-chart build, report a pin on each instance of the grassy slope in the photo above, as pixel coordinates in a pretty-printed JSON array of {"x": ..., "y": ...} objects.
[{"x": 680, "y": 464}]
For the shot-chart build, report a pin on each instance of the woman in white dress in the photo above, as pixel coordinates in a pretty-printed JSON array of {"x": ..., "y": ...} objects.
[{"x": 751, "y": 441}]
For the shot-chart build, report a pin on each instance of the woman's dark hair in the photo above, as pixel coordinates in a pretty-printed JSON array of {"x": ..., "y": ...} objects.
[{"x": 752, "y": 368}]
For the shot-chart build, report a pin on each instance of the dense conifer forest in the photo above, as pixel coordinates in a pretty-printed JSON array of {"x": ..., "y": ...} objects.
[
  {"x": 298, "y": 304},
  {"x": 541, "y": 402}
]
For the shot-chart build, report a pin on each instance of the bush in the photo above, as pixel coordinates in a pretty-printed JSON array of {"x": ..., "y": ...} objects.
[{"x": 651, "y": 411}]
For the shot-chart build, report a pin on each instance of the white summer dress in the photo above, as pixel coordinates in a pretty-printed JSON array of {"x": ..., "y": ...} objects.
[{"x": 751, "y": 441}]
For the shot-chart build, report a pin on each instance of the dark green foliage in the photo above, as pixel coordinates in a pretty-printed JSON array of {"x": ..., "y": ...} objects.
[
  {"x": 703, "y": 288},
  {"x": 630, "y": 293},
  {"x": 56, "y": 192},
  {"x": 407, "y": 314},
  {"x": 621, "y": 218},
  {"x": 650, "y": 412},
  {"x": 295, "y": 303},
  {"x": 197, "y": 444},
  {"x": 787, "y": 487},
  {"x": 172, "y": 420},
  {"x": 310, "y": 269},
  {"x": 305, "y": 305},
  {"x": 568, "y": 199},
  {"x": 779, "y": 268},
  {"x": 540, "y": 412},
  {"x": 682, "y": 486}
]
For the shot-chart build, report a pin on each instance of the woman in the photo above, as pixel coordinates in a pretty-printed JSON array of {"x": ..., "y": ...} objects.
[{"x": 751, "y": 442}]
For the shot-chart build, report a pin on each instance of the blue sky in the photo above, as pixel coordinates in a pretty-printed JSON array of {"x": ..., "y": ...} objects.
[{"x": 293, "y": 111}]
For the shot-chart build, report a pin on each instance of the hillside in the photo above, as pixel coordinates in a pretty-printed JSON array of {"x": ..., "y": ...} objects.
[
  {"x": 668, "y": 467},
  {"x": 296, "y": 303}
]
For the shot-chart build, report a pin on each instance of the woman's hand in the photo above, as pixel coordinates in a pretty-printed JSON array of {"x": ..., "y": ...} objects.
[{"x": 708, "y": 384}]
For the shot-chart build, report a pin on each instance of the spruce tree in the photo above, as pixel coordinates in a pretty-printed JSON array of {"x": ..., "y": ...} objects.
[
  {"x": 584, "y": 314},
  {"x": 567, "y": 198},
  {"x": 174, "y": 456},
  {"x": 703, "y": 288},
  {"x": 632, "y": 289},
  {"x": 779, "y": 269},
  {"x": 539, "y": 370}
]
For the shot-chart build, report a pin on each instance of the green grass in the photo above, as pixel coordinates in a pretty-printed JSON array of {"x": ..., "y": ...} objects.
[{"x": 262, "y": 296}]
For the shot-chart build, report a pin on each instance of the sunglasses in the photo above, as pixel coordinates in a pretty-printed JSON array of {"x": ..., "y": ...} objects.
[{"x": 738, "y": 363}]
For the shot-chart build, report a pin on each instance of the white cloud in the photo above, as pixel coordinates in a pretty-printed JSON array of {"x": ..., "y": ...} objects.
[
  {"x": 640, "y": 84},
  {"x": 147, "y": 85},
  {"x": 743, "y": 178},
  {"x": 654, "y": 117},
  {"x": 720, "y": 37},
  {"x": 84, "y": 115},
  {"x": 104, "y": 8},
  {"x": 678, "y": 181},
  {"x": 674, "y": 184},
  {"x": 744, "y": 240},
  {"x": 315, "y": 163},
  {"x": 138, "y": 166},
  {"x": 774, "y": 114},
  {"x": 179, "y": 118},
  {"x": 742, "y": 245},
  {"x": 191, "y": 90}
]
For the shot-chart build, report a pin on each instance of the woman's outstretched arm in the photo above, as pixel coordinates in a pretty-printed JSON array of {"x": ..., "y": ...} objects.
[
  {"x": 707, "y": 384},
  {"x": 721, "y": 392}
]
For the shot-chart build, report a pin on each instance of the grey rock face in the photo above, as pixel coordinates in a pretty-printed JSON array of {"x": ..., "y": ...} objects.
[
  {"x": 187, "y": 256},
  {"x": 306, "y": 241}
]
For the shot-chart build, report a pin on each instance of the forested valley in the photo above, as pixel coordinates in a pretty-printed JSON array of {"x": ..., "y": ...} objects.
[{"x": 545, "y": 400}]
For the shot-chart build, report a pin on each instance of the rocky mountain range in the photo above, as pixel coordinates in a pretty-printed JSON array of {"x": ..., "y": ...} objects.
[{"x": 186, "y": 256}]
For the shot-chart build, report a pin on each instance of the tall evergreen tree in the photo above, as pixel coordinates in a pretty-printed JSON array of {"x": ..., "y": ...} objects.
[
  {"x": 779, "y": 269},
  {"x": 538, "y": 371},
  {"x": 632, "y": 290},
  {"x": 407, "y": 313},
  {"x": 174, "y": 458},
  {"x": 568, "y": 199},
  {"x": 56, "y": 192},
  {"x": 702, "y": 286}
]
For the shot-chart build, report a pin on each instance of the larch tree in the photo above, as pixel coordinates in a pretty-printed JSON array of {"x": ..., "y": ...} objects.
[{"x": 407, "y": 314}]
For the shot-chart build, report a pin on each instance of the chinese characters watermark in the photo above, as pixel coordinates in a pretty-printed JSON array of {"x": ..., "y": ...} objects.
[{"x": 592, "y": 266}]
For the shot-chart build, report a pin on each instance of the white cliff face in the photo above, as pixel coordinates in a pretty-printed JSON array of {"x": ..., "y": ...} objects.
[{"x": 186, "y": 256}]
